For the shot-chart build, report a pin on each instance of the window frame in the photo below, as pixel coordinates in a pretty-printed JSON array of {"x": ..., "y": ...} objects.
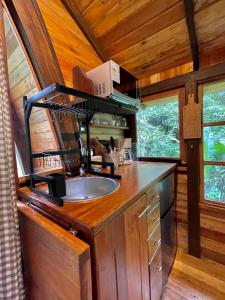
[
  {"x": 181, "y": 102},
  {"x": 203, "y": 200},
  {"x": 22, "y": 180}
]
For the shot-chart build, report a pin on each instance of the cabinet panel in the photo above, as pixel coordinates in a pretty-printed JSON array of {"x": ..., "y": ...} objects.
[
  {"x": 153, "y": 218},
  {"x": 56, "y": 263},
  {"x": 154, "y": 241},
  {"x": 111, "y": 277},
  {"x": 153, "y": 195},
  {"x": 136, "y": 233},
  {"x": 155, "y": 270}
]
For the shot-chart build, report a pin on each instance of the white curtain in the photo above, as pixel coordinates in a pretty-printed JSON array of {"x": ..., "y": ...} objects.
[{"x": 11, "y": 280}]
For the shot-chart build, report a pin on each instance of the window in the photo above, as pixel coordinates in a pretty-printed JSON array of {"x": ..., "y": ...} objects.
[
  {"x": 19, "y": 164},
  {"x": 158, "y": 129},
  {"x": 214, "y": 141}
]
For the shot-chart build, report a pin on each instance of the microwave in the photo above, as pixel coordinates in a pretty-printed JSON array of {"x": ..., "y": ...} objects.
[{"x": 112, "y": 81}]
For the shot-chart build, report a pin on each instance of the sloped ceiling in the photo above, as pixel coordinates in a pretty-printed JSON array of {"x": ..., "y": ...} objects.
[
  {"x": 145, "y": 37},
  {"x": 70, "y": 44}
]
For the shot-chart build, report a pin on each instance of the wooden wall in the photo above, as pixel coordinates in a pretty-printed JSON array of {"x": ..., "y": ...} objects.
[
  {"x": 181, "y": 208},
  {"x": 22, "y": 82},
  {"x": 212, "y": 222},
  {"x": 213, "y": 232},
  {"x": 71, "y": 46}
]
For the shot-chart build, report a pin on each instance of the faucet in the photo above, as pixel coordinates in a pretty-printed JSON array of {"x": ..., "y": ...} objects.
[
  {"x": 82, "y": 170},
  {"x": 82, "y": 166}
]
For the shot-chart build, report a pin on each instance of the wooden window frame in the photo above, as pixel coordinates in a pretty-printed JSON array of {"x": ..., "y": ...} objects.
[
  {"x": 180, "y": 92},
  {"x": 22, "y": 180},
  {"x": 203, "y": 200}
]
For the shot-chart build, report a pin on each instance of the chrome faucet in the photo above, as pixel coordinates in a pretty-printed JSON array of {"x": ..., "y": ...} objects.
[
  {"x": 82, "y": 170},
  {"x": 82, "y": 149}
]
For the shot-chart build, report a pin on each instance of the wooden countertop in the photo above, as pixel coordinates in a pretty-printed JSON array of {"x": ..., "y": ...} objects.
[{"x": 93, "y": 215}]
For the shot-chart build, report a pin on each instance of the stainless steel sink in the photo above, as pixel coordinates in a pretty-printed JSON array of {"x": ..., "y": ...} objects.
[{"x": 89, "y": 188}]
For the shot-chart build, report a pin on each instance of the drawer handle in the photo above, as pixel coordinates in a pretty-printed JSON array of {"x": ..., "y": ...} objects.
[
  {"x": 144, "y": 211},
  {"x": 153, "y": 209},
  {"x": 159, "y": 269}
]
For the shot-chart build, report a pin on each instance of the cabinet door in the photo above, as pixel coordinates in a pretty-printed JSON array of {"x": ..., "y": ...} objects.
[
  {"x": 111, "y": 276},
  {"x": 56, "y": 263},
  {"x": 136, "y": 231}
]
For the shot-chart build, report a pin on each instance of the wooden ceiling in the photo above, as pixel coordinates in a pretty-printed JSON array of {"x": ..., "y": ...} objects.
[
  {"x": 146, "y": 37},
  {"x": 70, "y": 44}
]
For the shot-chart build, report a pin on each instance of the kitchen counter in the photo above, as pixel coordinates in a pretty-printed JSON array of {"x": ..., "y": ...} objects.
[{"x": 93, "y": 215}]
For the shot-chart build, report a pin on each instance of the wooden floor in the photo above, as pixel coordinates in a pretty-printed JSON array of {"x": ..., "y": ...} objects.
[{"x": 192, "y": 278}]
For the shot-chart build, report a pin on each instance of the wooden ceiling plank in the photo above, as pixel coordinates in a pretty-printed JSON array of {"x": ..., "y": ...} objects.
[
  {"x": 122, "y": 10},
  {"x": 210, "y": 25},
  {"x": 79, "y": 19},
  {"x": 155, "y": 25},
  {"x": 96, "y": 10},
  {"x": 65, "y": 28},
  {"x": 189, "y": 13},
  {"x": 202, "y": 4},
  {"x": 83, "y": 5},
  {"x": 150, "y": 11},
  {"x": 176, "y": 58},
  {"x": 157, "y": 52},
  {"x": 177, "y": 29}
]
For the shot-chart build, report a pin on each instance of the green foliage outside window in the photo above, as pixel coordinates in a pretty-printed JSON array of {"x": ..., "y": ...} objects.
[
  {"x": 214, "y": 141},
  {"x": 158, "y": 129}
]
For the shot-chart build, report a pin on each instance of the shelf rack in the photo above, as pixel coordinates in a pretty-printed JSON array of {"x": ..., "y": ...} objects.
[
  {"x": 109, "y": 126},
  {"x": 85, "y": 106}
]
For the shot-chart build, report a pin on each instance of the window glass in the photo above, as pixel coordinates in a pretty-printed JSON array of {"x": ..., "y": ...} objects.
[
  {"x": 214, "y": 143},
  {"x": 214, "y": 102},
  {"x": 158, "y": 129},
  {"x": 214, "y": 183}
]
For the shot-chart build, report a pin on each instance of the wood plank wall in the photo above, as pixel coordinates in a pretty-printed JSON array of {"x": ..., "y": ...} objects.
[
  {"x": 181, "y": 208},
  {"x": 212, "y": 222},
  {"x": 22, "y": 82},
  {"x": 71, "y": 46}
]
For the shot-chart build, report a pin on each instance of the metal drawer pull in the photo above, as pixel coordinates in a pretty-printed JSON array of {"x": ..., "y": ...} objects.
[
  {"x": 159, "y": 269},
  {"x": 153, "y": 209},
  {"x": 144, "y": 211}
]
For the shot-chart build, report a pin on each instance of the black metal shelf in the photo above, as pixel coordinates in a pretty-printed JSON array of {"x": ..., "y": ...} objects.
[
  {"x": 54, "y": 153},
  {"x": 85, "y": 105}
]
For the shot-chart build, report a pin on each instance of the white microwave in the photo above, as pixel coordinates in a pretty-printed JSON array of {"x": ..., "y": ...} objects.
[{"x": 111, "y": 80}]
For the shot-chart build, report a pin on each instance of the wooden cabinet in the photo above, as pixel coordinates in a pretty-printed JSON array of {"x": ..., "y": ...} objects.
[
  {"x": 136, "y": 233},
  {"x": 128, "y": 253},
  {"x": 56, "y": 263}
]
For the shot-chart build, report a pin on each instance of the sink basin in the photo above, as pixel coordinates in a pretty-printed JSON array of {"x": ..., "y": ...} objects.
[{"x": 89, "y": 188}]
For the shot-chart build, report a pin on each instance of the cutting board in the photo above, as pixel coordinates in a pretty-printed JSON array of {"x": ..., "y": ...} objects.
[
  {"x": 81, "y": 82},
  {"x": 192, "y": 119}
]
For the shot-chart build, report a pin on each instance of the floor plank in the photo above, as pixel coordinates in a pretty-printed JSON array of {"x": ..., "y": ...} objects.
[{"x": 195, "y": 279}]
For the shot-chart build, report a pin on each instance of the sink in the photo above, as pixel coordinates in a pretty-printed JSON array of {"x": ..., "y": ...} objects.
[{"x": 89, "y": 188}]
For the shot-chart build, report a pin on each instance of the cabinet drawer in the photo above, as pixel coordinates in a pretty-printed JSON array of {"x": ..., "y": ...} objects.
[
  {"x": 155, "y": 271},
  {"x": 154, "y": 241},
  {"x": 153, "y": 195},
  {"x": 153, "y": 217}
]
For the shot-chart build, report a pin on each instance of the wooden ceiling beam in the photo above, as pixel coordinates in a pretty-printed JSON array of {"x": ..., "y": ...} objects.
[
  {"x": 81, "y": 22},
  {"x": 189, "y": 15}
]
